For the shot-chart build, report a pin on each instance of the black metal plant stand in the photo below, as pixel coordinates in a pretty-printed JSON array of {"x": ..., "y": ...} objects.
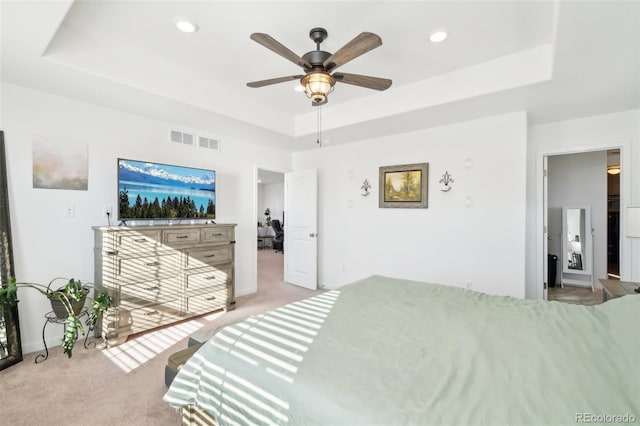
[{"x": 51, "y": 317}]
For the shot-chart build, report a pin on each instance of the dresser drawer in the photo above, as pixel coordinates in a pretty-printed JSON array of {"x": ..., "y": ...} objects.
[
  {"x": 198, "y": 258},
  {"x": 136, "y": 242},
  {"x": 207, "y": 302},
  {"x": 137, "y": 269},
  {"x": 148, "y": 292},
  {"x": 142, "y": 318},
  {"x": 154, "y": 316},
  {"x": 208, "y": 278},
  {"x": 181, "y": 236},
  {"x": 216, "y": 234}
]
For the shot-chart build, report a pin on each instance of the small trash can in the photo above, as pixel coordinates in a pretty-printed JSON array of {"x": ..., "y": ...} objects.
[{"x": 552, "y": 262}]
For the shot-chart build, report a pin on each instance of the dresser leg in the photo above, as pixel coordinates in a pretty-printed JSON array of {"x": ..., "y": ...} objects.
[{"x": 115, "y": 341}]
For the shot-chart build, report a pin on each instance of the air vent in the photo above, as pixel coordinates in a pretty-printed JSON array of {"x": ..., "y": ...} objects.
[
  {"x": 182, "y": 137},
  {"x": 210, "y": 143},
  {"x": 193, "y": 138}
]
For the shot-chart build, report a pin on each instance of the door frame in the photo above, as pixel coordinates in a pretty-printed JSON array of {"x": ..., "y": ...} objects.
[
  {"x": 542, "y": 201},
  {"x": 545, "y": 227}
]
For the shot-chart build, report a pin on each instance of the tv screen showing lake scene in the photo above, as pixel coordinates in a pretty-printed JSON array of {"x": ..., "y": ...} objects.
[{"x": 161, "y": 191}]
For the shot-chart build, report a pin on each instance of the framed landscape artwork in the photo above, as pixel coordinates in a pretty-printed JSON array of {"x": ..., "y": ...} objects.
[{"x": 404, "y": 186}]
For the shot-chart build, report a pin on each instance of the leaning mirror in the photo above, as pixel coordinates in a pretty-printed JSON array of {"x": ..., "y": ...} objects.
[
  {"x": 577, "y": 246},
  {"x": 10, "y": 348},
  {"x": 575, "y": 239}
]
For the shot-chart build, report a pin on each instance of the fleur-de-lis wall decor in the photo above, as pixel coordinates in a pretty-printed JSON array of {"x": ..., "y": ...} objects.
[
  {"x": 446, "y": 181},
  {"x": 365, "y": 187}
]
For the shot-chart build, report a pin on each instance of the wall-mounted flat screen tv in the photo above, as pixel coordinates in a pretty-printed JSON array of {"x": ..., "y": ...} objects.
[{"x": 161, "y": 191}]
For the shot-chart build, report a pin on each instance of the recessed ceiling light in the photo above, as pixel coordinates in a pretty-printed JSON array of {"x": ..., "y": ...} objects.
[
  {"x": 438, "y": 36},
  {"x": 186, "y": 25}
]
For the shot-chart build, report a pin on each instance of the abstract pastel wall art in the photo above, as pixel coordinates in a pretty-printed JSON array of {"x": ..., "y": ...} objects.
[{"x": 60, "y": 163}]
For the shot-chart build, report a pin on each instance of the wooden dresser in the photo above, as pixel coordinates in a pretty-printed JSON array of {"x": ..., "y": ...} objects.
[{"x": 157, "y": 275}]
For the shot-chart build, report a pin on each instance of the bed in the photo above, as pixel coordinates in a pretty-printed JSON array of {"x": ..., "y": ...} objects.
[{"x": 386, "y": 351}]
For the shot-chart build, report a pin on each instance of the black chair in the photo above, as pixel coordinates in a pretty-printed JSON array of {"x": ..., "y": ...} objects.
[{"x": 278, "y": 240}]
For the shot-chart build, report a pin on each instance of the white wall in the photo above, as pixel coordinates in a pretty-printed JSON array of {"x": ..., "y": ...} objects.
[
  {"x": 46, "y": 244},
  {"x": 609, "y": 131},
  {"x": 274, "y": 199},
  {"x": 260, "y": 207},
  {"x": 447, "y": 243},
  {"x": 579, "y": 180},
  {"x": 270, "y": 195}
]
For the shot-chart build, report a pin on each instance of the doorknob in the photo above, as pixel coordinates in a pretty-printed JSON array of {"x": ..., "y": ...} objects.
[{"x": 313, "y": 235}]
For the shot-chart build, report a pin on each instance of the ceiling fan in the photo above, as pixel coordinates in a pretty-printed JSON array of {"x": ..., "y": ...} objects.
[{"x": 317, "y": 80}]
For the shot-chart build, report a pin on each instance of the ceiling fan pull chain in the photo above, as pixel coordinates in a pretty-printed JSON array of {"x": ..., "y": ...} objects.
[{"x": 319, "y": 129}]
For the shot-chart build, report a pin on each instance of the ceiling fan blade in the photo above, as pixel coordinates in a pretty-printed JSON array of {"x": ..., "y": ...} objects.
[
  {"x": 275, "y": 46},
  {"x": 375, "y": 83},
  {"x": 263, "y": 83},
  {"x": 360, "y": 45}
]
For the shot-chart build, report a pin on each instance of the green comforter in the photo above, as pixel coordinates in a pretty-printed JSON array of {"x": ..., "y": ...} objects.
[{"x": 385, "y": 351}]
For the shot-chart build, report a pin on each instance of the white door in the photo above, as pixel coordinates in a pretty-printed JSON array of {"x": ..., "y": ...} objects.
[
  {"x": 545, "y": 226},
  {"x": 301, "y": 228}
]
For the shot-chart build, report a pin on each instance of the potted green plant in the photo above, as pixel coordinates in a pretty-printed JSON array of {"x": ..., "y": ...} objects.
[
  {"x": 66, "y": 302},
  {"x": 267, "y": 217}
]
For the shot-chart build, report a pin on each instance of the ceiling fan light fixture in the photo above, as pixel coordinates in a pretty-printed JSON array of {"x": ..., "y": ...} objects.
[{"x": 317, "y": 85}]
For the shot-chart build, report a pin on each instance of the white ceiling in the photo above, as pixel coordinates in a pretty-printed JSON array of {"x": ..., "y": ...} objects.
[{"x": 556, "y": 60}]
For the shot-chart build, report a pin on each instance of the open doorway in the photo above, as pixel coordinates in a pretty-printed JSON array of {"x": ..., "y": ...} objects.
[
  {"x": 270, "y": 221},
  {"x": 613, "y": 214},
  {"x": 583, "y": 181}
]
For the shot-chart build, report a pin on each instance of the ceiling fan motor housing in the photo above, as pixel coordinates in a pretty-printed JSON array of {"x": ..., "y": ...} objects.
[{"x": 316, "y": 57}]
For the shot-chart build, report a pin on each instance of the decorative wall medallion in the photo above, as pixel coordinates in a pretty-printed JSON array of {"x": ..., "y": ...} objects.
[
  {"x": 445, "y": 181},
  {"x": 366, "y": 186}
]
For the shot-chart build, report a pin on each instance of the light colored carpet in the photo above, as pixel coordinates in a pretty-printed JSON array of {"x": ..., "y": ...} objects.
[{"x": 123, "y": 385}]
